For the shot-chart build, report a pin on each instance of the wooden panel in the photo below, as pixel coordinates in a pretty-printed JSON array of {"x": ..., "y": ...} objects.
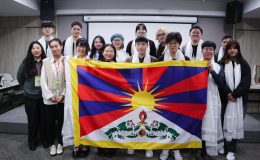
[{"x": 16, "y": 33}]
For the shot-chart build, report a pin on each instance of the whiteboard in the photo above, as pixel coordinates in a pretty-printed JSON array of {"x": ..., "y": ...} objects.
[{"x": 107, "y": 29}]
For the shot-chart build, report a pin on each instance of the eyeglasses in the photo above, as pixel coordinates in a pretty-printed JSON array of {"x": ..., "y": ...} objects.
[{"x": 162, "y": 34}]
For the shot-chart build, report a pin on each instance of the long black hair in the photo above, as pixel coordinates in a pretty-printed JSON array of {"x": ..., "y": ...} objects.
[
  {"x": 101, "y": 57},
  {"x": 238, "y": 57},
  {"x": 93, "y": 49},
  {"x": 29, "y": 62}
]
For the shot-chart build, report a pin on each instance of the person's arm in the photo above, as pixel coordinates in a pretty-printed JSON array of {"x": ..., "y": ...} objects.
[
  {"x": 46, "y": 92},
  {"x": 245, "y": 82},
  {"x": 219, "y": 78},
  {"x": 21, "y": 75},
  {"x": 129, "y": 48}
]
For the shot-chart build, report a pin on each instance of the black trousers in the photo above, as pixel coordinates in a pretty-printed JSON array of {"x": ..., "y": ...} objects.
[
  {"x": 33, "y": 109},
  {"x": 53, "y": 113}
]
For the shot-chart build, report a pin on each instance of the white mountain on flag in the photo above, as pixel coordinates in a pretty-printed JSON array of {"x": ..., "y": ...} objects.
[{"x": 142, "y": 125}]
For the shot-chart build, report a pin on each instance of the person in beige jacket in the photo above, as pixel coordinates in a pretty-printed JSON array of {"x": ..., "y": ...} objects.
[{"x": 53, "y": 91}]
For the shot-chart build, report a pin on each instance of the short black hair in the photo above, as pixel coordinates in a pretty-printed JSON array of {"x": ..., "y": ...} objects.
[
  {"x": 141, "y": 39},
  {"x": 196, "y": 27},
  {"x": 76, "y": 23},
  {"x": 208, "y": 44},
  {"x": 173, "y": 36},
  {"x": 47, "y": 24},
  {"x": 140, "y": 25},
  {"x": 226, "y": 37}
]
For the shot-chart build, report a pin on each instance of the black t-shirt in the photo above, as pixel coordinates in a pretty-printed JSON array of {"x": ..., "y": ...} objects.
[{"x": 194, "y": 50}]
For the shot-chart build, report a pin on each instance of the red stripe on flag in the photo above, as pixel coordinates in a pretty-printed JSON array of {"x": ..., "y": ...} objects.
[
  {"x": 199, "y": 81},
  {"x": 188, "y": 109},
  {"x": 152, "y": 75},
  {"x": 89, "y": 124},
  {"x": 109, "y": 75},
  {"x": 91, "y": 94}
]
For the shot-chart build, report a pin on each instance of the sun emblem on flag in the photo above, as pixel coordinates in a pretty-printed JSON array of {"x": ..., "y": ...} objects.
[{"x": 143, "y": 98}]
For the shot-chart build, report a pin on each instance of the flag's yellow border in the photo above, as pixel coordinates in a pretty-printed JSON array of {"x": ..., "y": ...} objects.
[{"x": 110, "y": 144}]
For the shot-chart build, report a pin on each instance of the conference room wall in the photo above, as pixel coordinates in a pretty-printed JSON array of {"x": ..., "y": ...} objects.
[
  {"x": 214, "y": 28},
  {"x": 16, "y": 33}
]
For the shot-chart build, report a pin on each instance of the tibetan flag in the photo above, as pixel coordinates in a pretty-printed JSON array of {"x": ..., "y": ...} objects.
[{"x": 135, "y": 105}]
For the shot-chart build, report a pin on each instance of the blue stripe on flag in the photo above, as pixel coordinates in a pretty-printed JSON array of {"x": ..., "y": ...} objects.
[
  {"x": 132, "y": 76},
  {"x": 191, "y": 125},
  {"x": 88, "y": 108},
  {"x": 197, "y": 96},
  {"x": 172, "y": 75}
]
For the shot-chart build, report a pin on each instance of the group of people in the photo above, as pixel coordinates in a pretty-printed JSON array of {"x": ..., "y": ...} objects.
[{"x": 42, "y": 76}]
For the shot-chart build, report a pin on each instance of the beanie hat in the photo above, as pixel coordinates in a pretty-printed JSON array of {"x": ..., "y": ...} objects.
[{"x": 117, "y": 36}]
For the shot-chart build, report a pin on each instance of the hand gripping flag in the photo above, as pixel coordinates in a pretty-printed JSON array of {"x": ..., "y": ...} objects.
[{"x": 139, "y": 106}]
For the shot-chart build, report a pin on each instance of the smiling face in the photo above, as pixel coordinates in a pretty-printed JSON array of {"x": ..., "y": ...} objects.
[
  {"x": 98, "y": 44},
  {"x": 173, "y": 46},
  {"x": 208, "y": 53},
  {"x": 56, "y": 48},
  {"x": 81, "y": 51},
  {"x": 141, "y": 32},
  {"x": 117, "y": 43},
  {"x": 232, "y": 52},
  {"x": 108, "y": 54},
  {"x": 75, "y": 31},
  {"x": 195, "y": 35},
  {"x": 36, "y": 50}
]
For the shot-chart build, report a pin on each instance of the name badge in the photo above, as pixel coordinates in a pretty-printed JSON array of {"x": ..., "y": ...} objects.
[
  {"x": 37, "y": 81},
  {"x": 55, "y": 84}
]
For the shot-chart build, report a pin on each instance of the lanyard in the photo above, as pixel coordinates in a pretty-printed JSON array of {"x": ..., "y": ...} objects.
[
  {"x": 57, "y": 69},
  {"x": 38, "y": 68}
]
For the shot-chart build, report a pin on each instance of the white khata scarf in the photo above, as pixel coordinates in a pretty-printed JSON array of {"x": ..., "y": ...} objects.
[
  {"x": 188, "y": 51},
  {"x": 211, "y": 123},
  {"x": 68, "y": 47},
  {"x": 233, "y": 119},
  {"x": 121, "y": 55},
  {"x": 220, "y": 53},
  {"x": 147, "y": 58},
  {"x": 43, "y": 43},
  {"x": 167, "y": 56},
  {"x": 133, "y": 49}
]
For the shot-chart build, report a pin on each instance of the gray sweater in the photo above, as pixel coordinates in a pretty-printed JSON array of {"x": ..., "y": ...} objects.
[{"x": 29, "y": 88}]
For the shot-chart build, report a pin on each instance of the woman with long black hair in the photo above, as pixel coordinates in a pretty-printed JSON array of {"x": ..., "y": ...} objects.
[
  {"x": 237, "y": 83},
  {"x": 29, "y": 77}
]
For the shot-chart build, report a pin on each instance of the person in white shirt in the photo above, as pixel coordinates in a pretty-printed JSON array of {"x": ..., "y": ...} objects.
[
  {"x": 117, "y": 40},
  {"x": 193, "y": 48},
  {"x": 53, "y": 91},
  {"x": 70, "y": 43},
  {"x": 47, "y": 30}
]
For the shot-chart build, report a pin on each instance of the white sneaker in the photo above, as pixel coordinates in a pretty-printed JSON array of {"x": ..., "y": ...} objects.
[
  {"x": 130, "y": 151},
  {"x": 221, "y": 150},
  {"x": 149, "y": 153},
  {"x": 59, "y": 149},
  {"x": 177, "y": 155},
  {"x": 230, "y": 156},
  {"x": 164, "y": 154},
  {"x": 52, "y": 150}
]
